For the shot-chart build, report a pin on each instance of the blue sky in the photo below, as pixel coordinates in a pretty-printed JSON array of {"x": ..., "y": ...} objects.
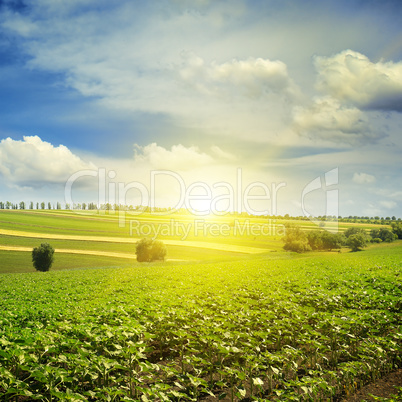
[{"x": 283, "y": 90}]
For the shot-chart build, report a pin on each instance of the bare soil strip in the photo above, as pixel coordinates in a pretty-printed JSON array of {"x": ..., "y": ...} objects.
[
  {"x": 198, "y": 244},
  {"x": 383, "y": 388}
]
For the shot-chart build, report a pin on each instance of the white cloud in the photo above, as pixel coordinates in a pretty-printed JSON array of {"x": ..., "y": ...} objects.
[
  {"x": 135, "y": 63},
  {"x": 351, "y": 77},
  {"x": 328, "y": 119},
  {"x": 363, "y": 178},
  {"x": 222, "y": 154},
  {"x": 253, "y": 77},
  {"x": 388, "y": 204},
  {"x": 36, "y": 163},
  {"x": 16, "y": 23},
  {"x": 177, "y": 158}
]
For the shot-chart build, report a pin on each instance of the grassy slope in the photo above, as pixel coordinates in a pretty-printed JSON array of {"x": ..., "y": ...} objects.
[{"x": 102, "y": 225}]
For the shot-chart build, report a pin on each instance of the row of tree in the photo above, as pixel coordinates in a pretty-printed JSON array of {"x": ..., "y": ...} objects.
[
  {"x": 81, "y": 206},
  {"x": 43, "y": 205},
  {"x": 147, "y": 250},
  {"x": 141, "y": 208},
  {"x": 356, "y": 238},
  {"x": 347, "y": 219}
]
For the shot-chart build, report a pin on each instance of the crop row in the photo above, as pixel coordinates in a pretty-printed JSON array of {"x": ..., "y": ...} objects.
[{"x": 262, "y": 329}]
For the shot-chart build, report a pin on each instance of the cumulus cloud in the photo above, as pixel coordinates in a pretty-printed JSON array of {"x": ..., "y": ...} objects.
[
  {"x": 140, "y": 61},
  {"x": 177, "y": 158},
  {"x": 329, "y": 120},
  {"x": 252, "y": 78},
  {"x": 35, "y": 163},
  {"x": 351, "y": 77},
  {"x": 363, "y": 178},
  {"x": 222, "y": 154}
]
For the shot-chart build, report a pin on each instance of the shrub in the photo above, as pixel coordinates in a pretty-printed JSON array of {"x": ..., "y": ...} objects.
[
  {"x": 397, "y": 229},
  {"x": 299, "y": 246},
  {"x": 354, "y": 231},
  {"x": 332, "y": 241},
  {"x": 295, "y": 240},
  {"x": 314, "y": 238},
  {"x": 43, "y": 257},
  {"x": 357, "y": 241},
  {"x": 323, "y": 240},
  {"x": 376, "y": 240},
  {"x": 148, "y": 250},
  {"x": 384, "y": 234}
]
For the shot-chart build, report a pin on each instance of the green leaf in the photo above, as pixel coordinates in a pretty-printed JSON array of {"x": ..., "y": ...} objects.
[{"x": 258, "y": 381}]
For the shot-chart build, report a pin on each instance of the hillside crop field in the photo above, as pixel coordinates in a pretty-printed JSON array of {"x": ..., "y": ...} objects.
[
  {"x": 92, "y": 231},
  {"x": 241, "y": 323},
  {"x": 93, "y": 234}
]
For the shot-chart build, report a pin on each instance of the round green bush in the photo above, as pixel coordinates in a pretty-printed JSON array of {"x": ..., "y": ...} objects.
[{"x": 43, "y": 257}]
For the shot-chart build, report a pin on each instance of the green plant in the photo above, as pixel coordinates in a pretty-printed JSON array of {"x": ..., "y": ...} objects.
[
  {"x": 296, "y": 240},
  {"x": 357, "y": 241},
  {"x": 148, "y": 250},
  {"x": 265, "y": 327},
  {"x": 43, "y": 257}
]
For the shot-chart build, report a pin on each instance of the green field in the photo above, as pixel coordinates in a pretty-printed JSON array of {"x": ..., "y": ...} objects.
[
  {"x": 208, "y": 239},
  {"x": 96, "y": 231},
  {"x": 244, "y": 322}
]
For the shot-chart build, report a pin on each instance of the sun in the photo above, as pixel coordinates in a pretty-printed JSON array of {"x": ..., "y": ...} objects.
[{"x": 201, "y": 207}]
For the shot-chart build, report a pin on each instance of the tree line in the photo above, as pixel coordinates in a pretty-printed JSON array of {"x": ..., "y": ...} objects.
[
  {"x": 144, "y": 208},
  {"x": 44, "y": 205},
  {"x": 356, "y": 238}
]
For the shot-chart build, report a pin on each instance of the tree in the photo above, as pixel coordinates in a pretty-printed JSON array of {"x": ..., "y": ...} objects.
[
  {"x": 314, "y": 238},
  {"x": 158, "y": 251},
  {"x": 384, "y": 234},
  {"x": 331, "y": 241},
  {"x": 148, "y": 250},
  {"x": 324, "y": 240},
  {"x": 357, "y": 241},
  {"x": 397, "y": 229},
  {"x": 354, "y": 230},
  {"x": 43, "y": 257},
  {"x": 22, "y": 205},
  {"x": 295, "y": 240}
]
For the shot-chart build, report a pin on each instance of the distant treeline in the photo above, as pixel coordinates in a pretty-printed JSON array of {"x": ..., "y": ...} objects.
[
  {"x": 140, "y": 208},
  {"x": 43, "y": 205},
  {"x": 299, "y": 240}
]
